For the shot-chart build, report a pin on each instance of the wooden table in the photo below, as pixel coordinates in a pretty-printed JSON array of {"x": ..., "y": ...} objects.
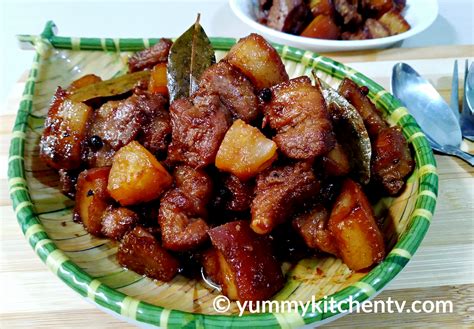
[{"x": 442, "y": 268}]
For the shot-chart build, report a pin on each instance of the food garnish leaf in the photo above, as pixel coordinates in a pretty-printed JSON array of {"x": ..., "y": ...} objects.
[
  {"x": 189, "y": 56},
  {"x": 350, "y": 132},
  {"x": 111, "y": 87}
]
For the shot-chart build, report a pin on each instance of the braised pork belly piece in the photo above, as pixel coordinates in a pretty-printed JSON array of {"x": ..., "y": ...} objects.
[
  {"x": 235, "y": 91},
  {"x": 198, "y": 127},
  {"x": 298, "y": 113},
  {"x": 240, "y": 193},
  {"x": 279, "y": 191},
  {"x": 289, "y": 16},
  {"x": 149, "y": 57},
  {"x": 63, "y": 137},
  {"x": 392, "y": 161},
  {"x": 68, "y": 181},
  {"x": 391, "y": 157},
  {"x": 183, "y": 212},
  {"x": 117, "y": 221},
  {"x": 313, "y": 228},
  {"x": 92, "y": 199},
  {"x": 242, "y": 263},
  {"x": 140, "y": 252},
  {"x": 347, "y": 9}
]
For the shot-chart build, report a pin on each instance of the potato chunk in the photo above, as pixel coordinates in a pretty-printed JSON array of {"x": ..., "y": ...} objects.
[
  {"x": 258, "y": 60},
  {"x": 248, "y": 270},
  {"x": 142, "y": 253},
  {"x": 219, "y": 271},
  {"x": 136, "y": 176},
  {"x": 84, "y": 81},
  {"x": 354, "y": 228},
  {"x": 322, "y": 27},
  {"x": 394, "y": 22},
  {"x": 92, "y": 199},
  {"x": 158, "y": 80},
  {"x": 245, "y": 151},
  {"x": 64, "y": 132}
]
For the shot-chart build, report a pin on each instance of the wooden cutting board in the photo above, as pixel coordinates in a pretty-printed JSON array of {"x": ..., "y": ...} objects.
[{"x": 442, "y": 268}]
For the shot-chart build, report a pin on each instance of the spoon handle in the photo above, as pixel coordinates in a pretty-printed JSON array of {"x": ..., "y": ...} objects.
[{"x": 461, "y": 154}]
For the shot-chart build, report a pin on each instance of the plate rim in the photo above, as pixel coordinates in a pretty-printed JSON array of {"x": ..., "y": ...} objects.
[{"x": 132, "y": 308}]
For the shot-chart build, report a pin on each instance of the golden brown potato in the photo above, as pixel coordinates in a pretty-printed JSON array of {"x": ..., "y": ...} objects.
[
  {"x": 258, "y": 60},
  {"x": 218, "y": 270},
  {"x": 354, "y": 228},
  {"x": 64, "y": 132},
  {"x": 394, "y": 22},
  {"x": 336, "y": 162},
  {"x": 140, "y": 252},
  {"x": 84, "y": 81},
  {"x": 158, "y": 80},
  {"x": 245, "y": 151},
  {"x": 92, "y": 199},
  {"x": 136, "y": 176},
  {"x": 322, "y": 27}
]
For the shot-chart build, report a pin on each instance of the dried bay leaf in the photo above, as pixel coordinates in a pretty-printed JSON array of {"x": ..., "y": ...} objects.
[
  {"x": 189, "y": 56},
  {"x": 350, "y": 131},
  {"x": 111, "y": 87}
]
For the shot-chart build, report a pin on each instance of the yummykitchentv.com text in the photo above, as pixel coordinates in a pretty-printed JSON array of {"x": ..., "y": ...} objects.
[{"x": 222, "y": 304}]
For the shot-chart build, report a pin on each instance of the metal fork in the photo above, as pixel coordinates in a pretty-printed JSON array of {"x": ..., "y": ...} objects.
[{"x": 465, "y": 115}]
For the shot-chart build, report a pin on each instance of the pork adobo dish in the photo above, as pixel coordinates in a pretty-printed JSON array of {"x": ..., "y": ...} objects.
[{"x": 233, "y": 174}]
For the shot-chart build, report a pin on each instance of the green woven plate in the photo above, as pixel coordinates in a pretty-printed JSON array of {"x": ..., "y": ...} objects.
[{"x": 87, "y": 264}]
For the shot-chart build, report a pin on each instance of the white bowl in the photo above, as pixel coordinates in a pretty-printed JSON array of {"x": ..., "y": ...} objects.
[{"x": 420, "y": 14}]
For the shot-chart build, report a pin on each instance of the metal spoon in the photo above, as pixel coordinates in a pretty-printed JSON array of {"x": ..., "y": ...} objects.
[{"x": 430, "y": 110}]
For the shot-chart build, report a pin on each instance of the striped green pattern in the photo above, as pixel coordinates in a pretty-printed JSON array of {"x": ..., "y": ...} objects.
[{"x": 87, "y": 264}]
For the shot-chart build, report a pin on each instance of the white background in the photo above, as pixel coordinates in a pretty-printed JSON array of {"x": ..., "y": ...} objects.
[{"x": 157, "y": 18}]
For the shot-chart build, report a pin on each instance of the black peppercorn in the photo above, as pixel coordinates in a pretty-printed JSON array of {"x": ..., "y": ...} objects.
[
  {"x": 265, "y": 95},
  {"x": 96, "y": 143},
  {"x": 364, "y": 90}
]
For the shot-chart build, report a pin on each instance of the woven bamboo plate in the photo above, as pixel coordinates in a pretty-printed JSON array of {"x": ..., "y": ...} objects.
[{"x": 87, "y": 264}]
